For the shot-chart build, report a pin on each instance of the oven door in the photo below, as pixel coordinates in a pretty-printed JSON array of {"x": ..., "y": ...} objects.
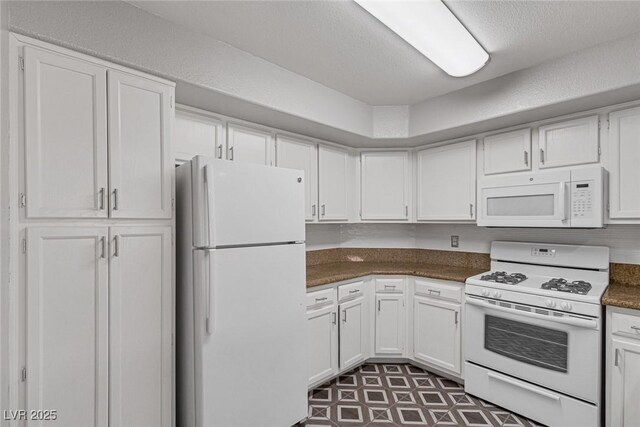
[
  {"x": 552, "y": 349},
  {"x": 527, "y": 205}
]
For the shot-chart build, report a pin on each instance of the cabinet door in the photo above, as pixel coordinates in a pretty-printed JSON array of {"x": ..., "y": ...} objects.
[
  {"x": 322, "y": 343},
  {"x": 390, "y": 324},
  {"x": 384, "y": 185},
  {"x": 447, "y": 182},
  {"x": 624, "y": 173},
  {"x": 67, "y": 324},
  {"x": 507, "y": 152},
  {"x": 334, "y": 177},
  {"x": 249, "y": 145},
  {"x": 625, "y": 384},
  {"x": 436, "y": 333},
  {"x": 574, "y": 142},
  {"x": 197, "y": 134},
  {"x": 140, "y": 156},
  {"x": 65, "y": 118},
  {"x": 140, "y": 326},
  {"x": 353, "y": 332},
  {"x": 294, "y": 154}
]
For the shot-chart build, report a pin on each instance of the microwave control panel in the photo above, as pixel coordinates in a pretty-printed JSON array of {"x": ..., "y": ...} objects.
[{"x": 582, "y": 195}]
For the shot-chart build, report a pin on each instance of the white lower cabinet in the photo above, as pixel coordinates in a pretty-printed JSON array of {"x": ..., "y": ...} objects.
[
  {"x": 354, "y": 325},
  {"x": 99, "y": 324},
  {"x": 623, "y": 367},
  {"x": 437, "y": 317},
  {"x": 390, "y": 321},
  {"x": 322, "y": 336}
]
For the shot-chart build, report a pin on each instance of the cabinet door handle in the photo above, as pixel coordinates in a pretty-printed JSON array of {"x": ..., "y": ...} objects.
[
  {"x": 231, "y": 153},
  {"x": 335, "y": 316},
  {"x": 354, "y": 291},
  {"x": 389, "y": 286},
  {"x": 313, "y": 210},
  {"x": 378, "y": 305},
  {"x": 323, "y": 209},
  {"x": 104, "y": 248},
  {"x": 321, "y": 299},
  {"x": 456, "y": 317},
  {"x": 115, "y": 199},
  {"x": 116, "y": 246},
  {"x": 526, "y": 158},
  {"x": 101, "y": 192},
  {"x": 406, "y": 211},
  {"x": 434, "y": 292},
  {"x": 615, "y": 361},
  {"x": 344, "y": 312},
  {"x": 542, "y": 156},
  {"x": 219, "y": 151},
  {"x": 636, "y": 328},
  {"x": 471, "y": 210}
]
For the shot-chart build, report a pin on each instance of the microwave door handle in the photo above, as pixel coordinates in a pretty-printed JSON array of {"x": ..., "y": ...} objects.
[
  {"x": 563, "y": 201},
  {"x": 208, "y": 178},
  {"x": 573, "y": 321}
]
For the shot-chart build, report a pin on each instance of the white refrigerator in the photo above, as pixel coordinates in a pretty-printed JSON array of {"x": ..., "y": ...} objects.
[{"x": 241, "y": 337}]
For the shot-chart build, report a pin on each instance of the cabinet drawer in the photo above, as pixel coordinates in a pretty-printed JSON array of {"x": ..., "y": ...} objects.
[
  {"x": 390, "y": 285},
  {"x": 439, "y": 289},
  {"x": 351, "y": 290},
  {"x": 625, "y": 325},
  {"x": 318, "y": 298}
]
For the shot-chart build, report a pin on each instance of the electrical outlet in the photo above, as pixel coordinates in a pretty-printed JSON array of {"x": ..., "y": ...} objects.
[{"x": 454, "y": 241}]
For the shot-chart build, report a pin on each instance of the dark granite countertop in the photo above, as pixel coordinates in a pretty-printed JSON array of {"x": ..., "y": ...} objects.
[
  {"x": 323, "y": 274},
  {"x": 622, "y": 295}
]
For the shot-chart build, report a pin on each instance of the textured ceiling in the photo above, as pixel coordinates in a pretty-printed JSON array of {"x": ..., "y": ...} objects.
[{"x": 338, "y": 44}]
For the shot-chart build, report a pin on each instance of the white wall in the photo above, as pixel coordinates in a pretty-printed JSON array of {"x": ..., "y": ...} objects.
[{"x": 624, "y": 240}]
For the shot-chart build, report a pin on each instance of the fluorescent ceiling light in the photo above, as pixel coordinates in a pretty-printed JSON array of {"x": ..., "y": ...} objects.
[{"x": 430, "y": 27}]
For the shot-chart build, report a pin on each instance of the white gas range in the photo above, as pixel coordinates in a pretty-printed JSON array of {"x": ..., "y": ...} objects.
[{"x": 533, "y": 331}]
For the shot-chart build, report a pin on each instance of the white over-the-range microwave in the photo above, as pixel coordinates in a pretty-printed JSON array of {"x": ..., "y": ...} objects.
[{"x": 573, "y": 198}]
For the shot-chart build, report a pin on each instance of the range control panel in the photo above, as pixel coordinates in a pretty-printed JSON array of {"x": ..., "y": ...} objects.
[
  {"x": 543, "y": 252},
  {"x": 582, "y": 199}
]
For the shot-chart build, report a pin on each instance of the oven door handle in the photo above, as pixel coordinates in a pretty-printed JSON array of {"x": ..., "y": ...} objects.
[
  {"x": 524, "y": 386},
  {"x": 574, "y": 321}
]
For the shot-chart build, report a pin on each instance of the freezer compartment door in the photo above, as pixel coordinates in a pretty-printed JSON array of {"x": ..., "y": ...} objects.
[
  {"x": 245, "y": 204},
  {"x": 250, "y": 332}
]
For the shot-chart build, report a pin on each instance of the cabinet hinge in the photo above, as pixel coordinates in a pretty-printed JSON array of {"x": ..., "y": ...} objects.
[
  {"x": 23, "y": 374},
  {"x": 24, "y": 246},
  {"x": 23, "y": 200},
  {"x": 21, "y": 63}
]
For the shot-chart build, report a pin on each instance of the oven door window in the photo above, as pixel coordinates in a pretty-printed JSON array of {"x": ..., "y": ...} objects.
[{"x": 531, "y": 344}]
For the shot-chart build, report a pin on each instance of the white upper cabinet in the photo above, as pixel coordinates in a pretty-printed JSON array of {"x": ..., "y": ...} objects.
[
  {"x": 249, "y": 145},
  {"x": 447, "y": 182},
  {"x": 65, "y": 136},
  {"x": 507, "y": 152},
  {"x": 333, "y": 186},
  {"x": 624, "y": 158},
  {"x": 67, "y": 327},
  {"x": 141, "y": 163},
  {"x": 197, "y": 134},
  {"x": 574, "y": 142},
  {"x": 297, "y": 154},
  {"x": 140, "y": 326},
  {"x": 384, "y": 185}
]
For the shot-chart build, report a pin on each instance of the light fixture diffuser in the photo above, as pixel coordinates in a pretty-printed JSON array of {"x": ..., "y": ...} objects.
[{"x": 431, "y": 28}]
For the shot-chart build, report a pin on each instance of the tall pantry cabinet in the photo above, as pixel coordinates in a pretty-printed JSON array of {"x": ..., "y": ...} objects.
[{"x": 95, "y": 200}]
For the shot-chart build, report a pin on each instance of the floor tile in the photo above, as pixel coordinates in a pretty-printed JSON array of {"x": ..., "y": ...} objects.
[{"x": 402, "y": 395}]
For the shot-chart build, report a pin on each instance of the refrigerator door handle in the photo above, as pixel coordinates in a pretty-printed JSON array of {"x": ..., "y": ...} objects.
[
  {"x": 208, "y": 177},
  {"x": 210, "y": 293}
]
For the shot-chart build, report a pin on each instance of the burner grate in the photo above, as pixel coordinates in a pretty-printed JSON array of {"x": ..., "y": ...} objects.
[
  {"x": 563, "y": 285},
  {"x": 504, "y": 277}
]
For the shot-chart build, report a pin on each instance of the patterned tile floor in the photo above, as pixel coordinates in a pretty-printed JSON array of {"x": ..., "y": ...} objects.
[{"x": 401, "y": 395}]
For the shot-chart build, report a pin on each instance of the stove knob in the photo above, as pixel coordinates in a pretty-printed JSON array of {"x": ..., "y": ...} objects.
[
  {"x": 497, "y": 294},
  {"x": 549, "y": 303},
  {"x": 566, "y": 306},
  {"x": 485, "y": 292}
]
